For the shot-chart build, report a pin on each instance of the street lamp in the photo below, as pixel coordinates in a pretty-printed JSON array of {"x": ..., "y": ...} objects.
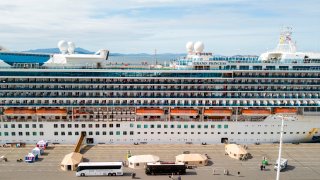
[{"x": 280, "y": 147}]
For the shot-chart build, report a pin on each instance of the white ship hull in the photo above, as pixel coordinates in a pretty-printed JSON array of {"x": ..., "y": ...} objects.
[{"x": 302, "y": 129}]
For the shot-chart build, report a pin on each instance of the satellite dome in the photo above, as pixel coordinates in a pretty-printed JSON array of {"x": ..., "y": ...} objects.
[
  {"x": 198, "y": 47},
  {"x": 71, "y": 47},
  {"x": 63, "y": 46},
  {"x": 189, "y": 46}
]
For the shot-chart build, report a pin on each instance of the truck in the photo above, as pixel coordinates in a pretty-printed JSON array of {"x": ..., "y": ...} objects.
[
  {"x": 168, "y": 168},
  {"x": 283, "y": 164}
]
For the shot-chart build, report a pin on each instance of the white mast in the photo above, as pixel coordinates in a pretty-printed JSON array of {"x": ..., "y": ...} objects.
[{"x": 285, "y": 42}]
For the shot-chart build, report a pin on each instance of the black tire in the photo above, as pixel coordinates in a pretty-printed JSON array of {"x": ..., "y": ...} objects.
[
  {"x": 109, "y": 174},
  {"x": 115, "y": 174},
  {"x": 82, "y": 174}
]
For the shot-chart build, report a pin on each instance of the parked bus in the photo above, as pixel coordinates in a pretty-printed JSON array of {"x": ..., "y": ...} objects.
[
  {"x": 165, "y": 168},
  {"x": 100, "y": 169}
]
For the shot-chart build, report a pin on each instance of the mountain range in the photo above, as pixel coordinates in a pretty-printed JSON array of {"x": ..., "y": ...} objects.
[
  {"x": 56, "y": 50},
  {"x": 120, "y": 57},
  {"x": 80, "y": 50}
]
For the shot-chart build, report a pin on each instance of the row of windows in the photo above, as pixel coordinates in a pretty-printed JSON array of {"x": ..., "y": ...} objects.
[
  {"x": 109, "y": 74},
  {"x": 21, "y": 126},
  {"x": 132, "y": 125},
  {"x": 199, "y": 126},
  {"x": 84, "y": 125},
  {"x": 140, "y": 126},
  {"x": 21, "y": 133},
  {"x": 90, "y": 133}
]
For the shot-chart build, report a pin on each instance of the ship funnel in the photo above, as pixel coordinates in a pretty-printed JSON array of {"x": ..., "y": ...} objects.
[{"x": 103, "y": 53}]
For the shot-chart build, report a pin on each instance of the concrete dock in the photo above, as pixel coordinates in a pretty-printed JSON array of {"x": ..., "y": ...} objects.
[{"x": 303, "y": 160}]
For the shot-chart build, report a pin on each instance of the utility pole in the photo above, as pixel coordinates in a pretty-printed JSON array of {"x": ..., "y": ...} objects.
[{"x": 280, "y": 148}]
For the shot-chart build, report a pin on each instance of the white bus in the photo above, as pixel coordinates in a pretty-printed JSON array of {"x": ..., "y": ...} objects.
[{"x": 100, "y": 169}]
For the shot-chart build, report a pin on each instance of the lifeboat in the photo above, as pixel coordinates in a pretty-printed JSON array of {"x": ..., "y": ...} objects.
[
  {"x": 285, "y": 110},
  {"x": 184, "y": 112},
  {"x": 217, "y": 112},
  {"x": 149, "y": 112},
  {"x": 19, "y": 111},
  {"x": 256, "y": 112},
  {"x": 49, "y": 111}
]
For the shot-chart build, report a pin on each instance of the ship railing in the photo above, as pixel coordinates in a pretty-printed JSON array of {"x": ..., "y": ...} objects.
[
  {"x": 156, "y": 83},
  {"x": 232, "y": 62},
  {"x": 152, "y": 105},
  {"x": 277, "y": 89},
  {"x": 286, "y": 97}
]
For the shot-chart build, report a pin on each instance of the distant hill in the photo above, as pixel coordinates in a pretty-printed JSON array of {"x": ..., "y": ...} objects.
[
  {"x": 120, "y": 57},
  {"x": 84, "y": 51},
  {"x": 56, "y": 50}
]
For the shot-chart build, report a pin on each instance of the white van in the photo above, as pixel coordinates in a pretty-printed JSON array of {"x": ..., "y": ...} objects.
[{"x": 283, "y": 164}]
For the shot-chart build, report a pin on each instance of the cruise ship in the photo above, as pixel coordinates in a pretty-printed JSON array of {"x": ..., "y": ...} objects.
[{"x": 197, "y": 99}]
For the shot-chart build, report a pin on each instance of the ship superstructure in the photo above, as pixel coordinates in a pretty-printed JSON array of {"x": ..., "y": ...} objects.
[{"x": 200, "y": 98}]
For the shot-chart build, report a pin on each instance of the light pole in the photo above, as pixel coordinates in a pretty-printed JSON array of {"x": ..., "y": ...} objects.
[{"x": 280, "y": 148}]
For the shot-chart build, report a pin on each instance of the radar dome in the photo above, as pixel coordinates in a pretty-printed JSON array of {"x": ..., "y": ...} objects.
[
  {"x": 198, "y": 47},
  {"x": 63, "y": 46},
  {"x": 189, "y": 46},
  {"x": 71, "y": 47}
]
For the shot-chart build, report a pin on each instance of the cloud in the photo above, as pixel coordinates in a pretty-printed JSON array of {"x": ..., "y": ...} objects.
[{"x": 143, "y": 25}]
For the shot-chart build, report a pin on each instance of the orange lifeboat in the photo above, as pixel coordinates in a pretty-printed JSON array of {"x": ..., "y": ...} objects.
[
  {"x": 56, "y": 112},
  {"x": 149, "y": 112},
  {"x": 256, "y": 112},
  {"x": 184, "y": 112},
  {"x": 217, "y": 112},
  {"x": 285, "y": 110},
  {"x": 19, "y": 111}
]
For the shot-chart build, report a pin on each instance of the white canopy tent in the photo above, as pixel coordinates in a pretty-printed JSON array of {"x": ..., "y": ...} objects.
[
  {"x": 30, "y": 158},
  {"x": 139, "y": 161},
  {"x": 37, "y": 151},
  {"x": 42, "y": 144},
  {"x": 71, "y": 161},
  {"x": 192, "y": 159},
  {"x": 236, "y": 151}
]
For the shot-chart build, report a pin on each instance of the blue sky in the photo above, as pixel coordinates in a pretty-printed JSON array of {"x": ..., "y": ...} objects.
[{"x": 134, "y": 26}]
